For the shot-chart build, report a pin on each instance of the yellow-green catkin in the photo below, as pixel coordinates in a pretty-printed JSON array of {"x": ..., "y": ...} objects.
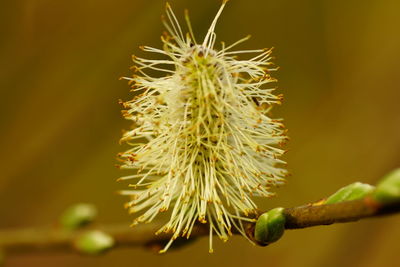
[{"x": 204, "y": 143}]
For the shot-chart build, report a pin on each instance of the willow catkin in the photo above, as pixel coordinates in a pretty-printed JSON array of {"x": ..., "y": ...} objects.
[{"x": 210, "y": 144}]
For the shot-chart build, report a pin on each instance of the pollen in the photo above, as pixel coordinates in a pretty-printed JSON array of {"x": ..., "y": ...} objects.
[{"x": 203, "y": 144}]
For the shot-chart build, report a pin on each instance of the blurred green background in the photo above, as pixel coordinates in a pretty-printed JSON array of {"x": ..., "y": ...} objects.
[{"x": 60, "y": 121}]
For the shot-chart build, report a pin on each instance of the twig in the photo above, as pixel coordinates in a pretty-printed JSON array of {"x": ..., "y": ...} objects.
[
  {"x": 313, "y": 215},
  {"x": 54, "y": 239}
]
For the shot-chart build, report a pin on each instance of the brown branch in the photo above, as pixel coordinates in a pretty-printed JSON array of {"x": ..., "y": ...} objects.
[
  {"x": 349, "y": 211},
  {"x": 54, "y": 239}
]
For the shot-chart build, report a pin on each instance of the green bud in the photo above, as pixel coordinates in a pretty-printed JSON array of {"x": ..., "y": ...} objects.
[
  {"x": 78, "y": 215},
  {"x": 352, "y": 191},
  {"x": 270, "y": 226},
  {"x": 388, "y": 189},
  {"x": 261, "y": 229},
  {"x": 94, "y": 242}
]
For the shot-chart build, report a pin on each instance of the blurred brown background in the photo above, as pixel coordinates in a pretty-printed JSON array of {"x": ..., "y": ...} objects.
[{"x": 60, "y": 121}]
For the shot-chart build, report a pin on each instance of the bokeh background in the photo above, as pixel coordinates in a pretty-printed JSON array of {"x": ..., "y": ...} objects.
[{"x": 60, "y": 121}]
